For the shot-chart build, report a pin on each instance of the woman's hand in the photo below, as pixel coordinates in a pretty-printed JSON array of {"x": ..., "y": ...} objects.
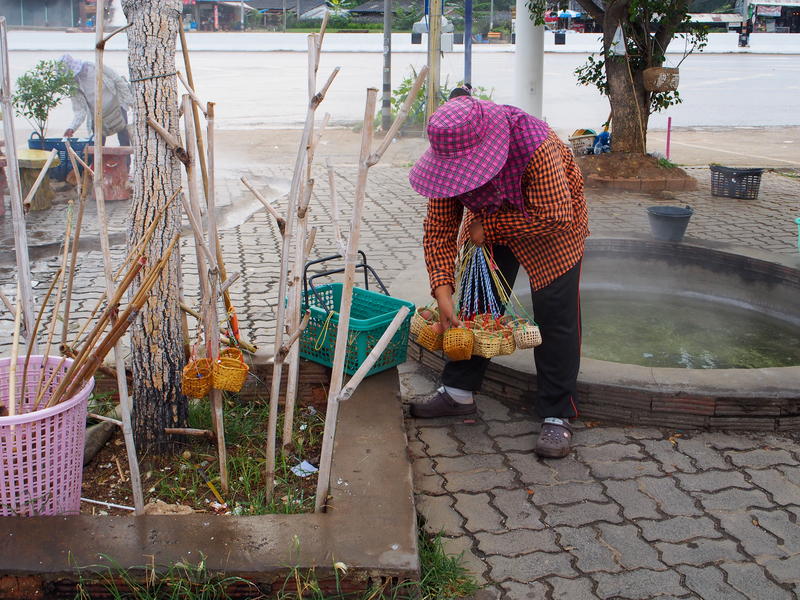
[
  {"x": 476, "y": 233},
  {"x": 444, "y": 298}
]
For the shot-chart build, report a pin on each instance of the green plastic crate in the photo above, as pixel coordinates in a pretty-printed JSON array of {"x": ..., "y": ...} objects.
[{"x": 370, "y": 315}]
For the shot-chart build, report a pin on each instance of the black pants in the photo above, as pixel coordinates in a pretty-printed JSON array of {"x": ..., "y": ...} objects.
[{"x": 557, "y": 312}]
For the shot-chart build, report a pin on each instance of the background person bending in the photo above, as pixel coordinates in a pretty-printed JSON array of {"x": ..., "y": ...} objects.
[{"x": 117, "y": 99}]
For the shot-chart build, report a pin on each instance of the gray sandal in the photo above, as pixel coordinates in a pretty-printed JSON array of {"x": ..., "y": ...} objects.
[{"x": 554, "y": 440}]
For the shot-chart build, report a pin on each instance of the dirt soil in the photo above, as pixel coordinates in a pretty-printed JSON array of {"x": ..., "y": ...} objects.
[{"x": 622, "y": 165}]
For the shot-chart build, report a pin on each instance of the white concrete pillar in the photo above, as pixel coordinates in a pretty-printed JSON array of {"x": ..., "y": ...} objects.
[{"x": 529, "y": 66}]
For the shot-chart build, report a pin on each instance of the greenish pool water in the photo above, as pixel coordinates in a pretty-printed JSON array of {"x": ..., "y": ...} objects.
[{"x": 679, "y": 332}]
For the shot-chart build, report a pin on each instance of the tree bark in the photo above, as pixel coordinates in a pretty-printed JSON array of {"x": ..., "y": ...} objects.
[
  {"x": 629, "y": 100},
  {"x": 156, "y": 339}
]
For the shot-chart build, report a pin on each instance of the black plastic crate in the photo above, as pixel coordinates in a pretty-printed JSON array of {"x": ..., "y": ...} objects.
[{"x": 735, "y": 183}]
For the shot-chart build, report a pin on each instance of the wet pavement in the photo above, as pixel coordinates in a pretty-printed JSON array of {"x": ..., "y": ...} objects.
[{"x": 633, "y": 512}]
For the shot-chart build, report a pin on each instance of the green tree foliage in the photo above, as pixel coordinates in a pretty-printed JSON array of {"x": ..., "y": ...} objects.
[
  {"x": 40, "y": 90},
  {"x": 648, "y": 27}
]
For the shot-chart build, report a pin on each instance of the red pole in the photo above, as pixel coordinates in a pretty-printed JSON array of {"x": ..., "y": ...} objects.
[{"x": 669, "y": 130}]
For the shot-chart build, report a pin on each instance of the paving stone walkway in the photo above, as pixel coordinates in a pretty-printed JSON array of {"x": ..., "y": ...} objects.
[{"x": 632, "y": 513}]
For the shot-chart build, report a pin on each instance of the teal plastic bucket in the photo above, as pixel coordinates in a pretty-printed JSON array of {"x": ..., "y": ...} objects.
[{"x": 797, "y": 220}]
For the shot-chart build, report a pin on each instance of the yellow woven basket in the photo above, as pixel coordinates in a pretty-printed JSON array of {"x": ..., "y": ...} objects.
[
  {"x": 229, "y": 374},
  {"x": 196, "y": 378},
  {"x": 507, "y": 344},
  {"x": 418, "y": 322},
  {"x": 231, "y": 353},
  {"x": 486, "y": 344},
  {"x": 429, "y": 339},
  {"x": 526, "y": 334},
  {"x": 457, "y": 343}
]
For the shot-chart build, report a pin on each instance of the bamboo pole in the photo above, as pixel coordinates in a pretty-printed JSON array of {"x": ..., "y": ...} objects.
[
  {"x": 208, "y": 284},
  {"x": 57, "y": 303},
  {"x": 203, "y": 433},
  {"x": 36, "y": 327},
  {"x": 340, "y": 353},
  {"x": 374, "y": 355},
  {"x": 26, "y": 204},
  {"x": 12, "y": 368},
  {"x": 207, "y": 171},
  {"x": 116, "y": 333},
  {"x": 294, "y": 197},
  {"x": 337, "y": 233},
  {"x": 15, "y": 190},
  {"x": 351, "y": 258},
  {"x": 295, "y": 300},
  {"x": 270, "y": 209},
  {"x": 98, "y": 329},
  {"x": 220, "y": 275},
  {"x": 82, "y": 192},
  {"x": 99, "y": 194}
]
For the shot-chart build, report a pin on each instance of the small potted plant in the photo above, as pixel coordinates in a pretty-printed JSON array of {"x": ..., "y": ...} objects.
[{"x": 37, "y": 93}]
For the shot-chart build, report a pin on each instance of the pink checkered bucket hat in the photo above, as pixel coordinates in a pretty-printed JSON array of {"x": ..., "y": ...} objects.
[{"x": 469, "y": 145}]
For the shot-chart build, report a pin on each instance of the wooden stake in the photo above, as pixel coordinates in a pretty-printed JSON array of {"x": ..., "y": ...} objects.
[
  {"x": 374, "y": 355},
  {"x": 210, "y": 319},
  {"x": 82, "y": 192},
  {"x": 340, "y": 353},
  {"x": 337, "y": 233},
  {"x": 35, "y": 188},
  {"x": 351, "y": 258},
  {"x": 12, "y": 368},
  {"x": 278, "y": 219},
  {"x": 294, "y": 197},
  {"x": 15, "y": 190},
  {"x": 99, "y": 194},
  {"x": 36, "y": 329},
  {"x": 207, "y": 172},
  {"x": 62, "y": 272}
]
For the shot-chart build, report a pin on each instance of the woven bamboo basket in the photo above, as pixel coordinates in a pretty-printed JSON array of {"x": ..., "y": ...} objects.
[
  {"x": 231, "y": 353},
  {"x": 507, "y": 343},
  {"x": 429, "y": 339},
  {"x": 229, "y": 374},
  {"x": 418, "y": 322},
  {"x": 196, "y": 378},
  {"x": 526, "y": 334},
  {"x": 457, "y": 343},
  {"x": 486, "y": 343}
]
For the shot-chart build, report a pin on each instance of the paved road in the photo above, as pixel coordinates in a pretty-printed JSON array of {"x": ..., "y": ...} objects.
[{"x": 718, "y": 90}]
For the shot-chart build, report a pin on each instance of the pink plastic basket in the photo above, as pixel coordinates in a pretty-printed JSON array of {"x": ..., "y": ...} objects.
[{"x": 41, "y": 453}]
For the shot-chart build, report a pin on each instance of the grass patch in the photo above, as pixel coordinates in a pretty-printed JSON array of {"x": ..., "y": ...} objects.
[
  {"x": 179, "y": 479},
  {"x": 442, "y": 577}
]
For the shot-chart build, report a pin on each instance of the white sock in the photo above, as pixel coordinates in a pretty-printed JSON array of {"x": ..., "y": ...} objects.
[
  {"x": 460, "y": 396},
  {"x": 554, "y": 421}
]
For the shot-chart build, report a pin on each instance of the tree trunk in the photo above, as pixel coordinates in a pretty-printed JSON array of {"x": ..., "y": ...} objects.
[
  {"x": 156, "y": 339},
  {"x": 629, "y": 106},
  {"x": 629, "y": 100}
]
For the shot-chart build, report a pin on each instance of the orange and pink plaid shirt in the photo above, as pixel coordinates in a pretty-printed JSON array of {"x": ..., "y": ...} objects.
[{"x": 547, "y": 245}]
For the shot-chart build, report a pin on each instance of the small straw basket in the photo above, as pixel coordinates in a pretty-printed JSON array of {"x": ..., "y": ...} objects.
[
  {"x": 418, "y": 322},
  {"x": 429, "y": 339},
  {"x": 486, "y": 344},
  {"x": 458, "y": 343},
  {"x": 526, "y": 334},
  {"x": 229, "y": 373},
  {"x": 196, "y": 379}
]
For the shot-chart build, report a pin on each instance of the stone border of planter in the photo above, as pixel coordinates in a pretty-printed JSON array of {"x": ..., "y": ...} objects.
[
  {"x": 642, "y": 185},
  {"x": 371, "y": 526}
]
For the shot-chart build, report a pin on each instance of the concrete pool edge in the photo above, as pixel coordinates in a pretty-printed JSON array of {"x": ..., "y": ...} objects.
[{"x": 730, "y": 399}]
